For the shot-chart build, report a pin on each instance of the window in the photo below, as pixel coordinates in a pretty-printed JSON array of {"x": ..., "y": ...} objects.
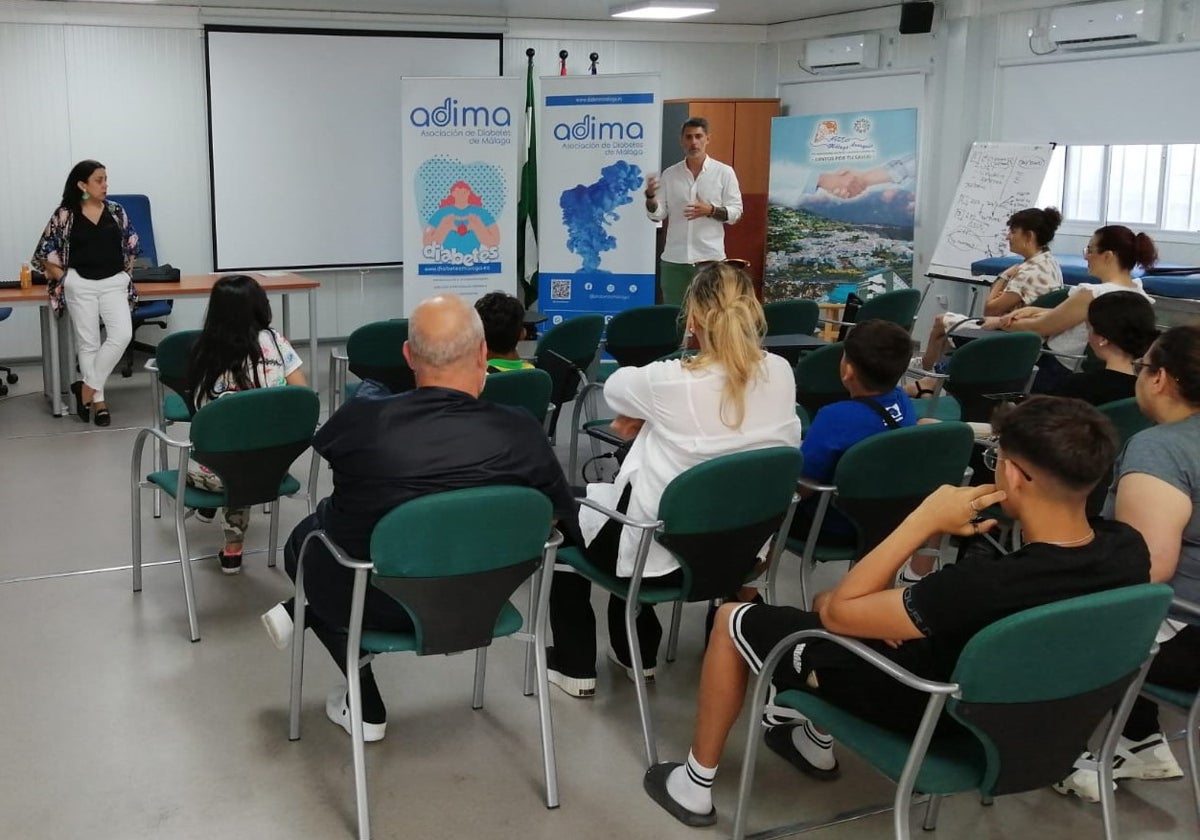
[{"x": 1152, "y": 187}]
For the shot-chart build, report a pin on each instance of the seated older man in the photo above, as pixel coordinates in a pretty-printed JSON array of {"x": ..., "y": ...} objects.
[
  {"x": 1052, "y": 451},
  {"x": 387, "y": 449}
]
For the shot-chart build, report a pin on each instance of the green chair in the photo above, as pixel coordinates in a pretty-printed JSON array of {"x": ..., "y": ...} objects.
[
  {"x": 982, "y": 373},
  {"x": 819, "y": 378},
  {"x": 249, "y": 439},
  {"x": 877, "y": 483},
  {"x": 899, "y": 307},
  {"x": 713, "y": 518},
  {"x": 1051, "y": 299},
  {"x": 633, "y": 338},
  {"x": 792, "y": 317},
  {"x": 170, "y": 367},
  {"x": 1187, "y": 702},
  {"x": 1126, "y": 417},
  {"x": 527, "y": 389},
  {"x": 373, "y": 351},
  {"x": 455, "y": 583},
  {"x": 1027, "y": 693},
  {"x": 566, "y": 351}
]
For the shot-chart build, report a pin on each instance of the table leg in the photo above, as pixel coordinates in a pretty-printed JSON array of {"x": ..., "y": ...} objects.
[
  {"x": 56, "y": 402},
  {"x": 312, "y": 340}
]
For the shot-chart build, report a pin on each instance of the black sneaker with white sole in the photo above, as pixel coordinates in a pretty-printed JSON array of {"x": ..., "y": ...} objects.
[{"x": 231, "y": 564}]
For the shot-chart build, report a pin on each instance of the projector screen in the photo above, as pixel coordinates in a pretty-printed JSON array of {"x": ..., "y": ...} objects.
[{"x": 304, "y": 140}]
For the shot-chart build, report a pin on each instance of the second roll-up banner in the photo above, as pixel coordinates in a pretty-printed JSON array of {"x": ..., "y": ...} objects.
[
  {"x": 460, "y": 143},
  {"x": 600, "y": 139}
]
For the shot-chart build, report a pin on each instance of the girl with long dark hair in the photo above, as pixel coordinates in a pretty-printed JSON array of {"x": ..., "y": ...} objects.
[{"x": 237, "y": 351}]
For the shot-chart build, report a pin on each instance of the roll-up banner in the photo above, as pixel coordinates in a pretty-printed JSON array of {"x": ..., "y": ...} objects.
[
  {"x": 459, "y": 145},
  {"x": 600, "y": 139}
]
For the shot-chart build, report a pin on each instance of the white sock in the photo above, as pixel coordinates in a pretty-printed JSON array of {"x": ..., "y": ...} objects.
[
  {"x": 691, "y": 785},
  {"x": 816, "y": 747}
]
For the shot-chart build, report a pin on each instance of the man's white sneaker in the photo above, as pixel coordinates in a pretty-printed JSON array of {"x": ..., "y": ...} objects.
[
  {"x": 278, "y": 622},
  {"x": 1149, "y": 758},
  {"x": 337, "y": 709},
  {"x": 648, "y": 673}
]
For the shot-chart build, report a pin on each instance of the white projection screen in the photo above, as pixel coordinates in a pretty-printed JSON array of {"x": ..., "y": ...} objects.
[{"x": 304, "y": 140}]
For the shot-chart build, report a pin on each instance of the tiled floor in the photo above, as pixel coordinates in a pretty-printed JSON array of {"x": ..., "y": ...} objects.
[{"x": 115, "y": 727}]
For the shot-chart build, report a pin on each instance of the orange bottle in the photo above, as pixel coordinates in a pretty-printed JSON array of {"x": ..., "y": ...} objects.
[{"x": 26, "y": 276}]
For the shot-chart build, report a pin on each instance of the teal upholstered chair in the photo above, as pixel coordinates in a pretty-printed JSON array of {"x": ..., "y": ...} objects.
[
  {"x": 1187, "y": 702},
  {"x": 169, "y": 367},
  {"x": 1126, "y": 418},
  {"x": 373, "y": 351},
  {"x": 877, "y": 483},
  {"x": 713, "y": 518},
  {"x": 899, "y": 307},
  {"x": 566, "y": 351},
  {"x": 1027, "y": 693},
  {"x": 455, "y": 583},
  {"x": 525, "y": 389},
  {"x": 249, "y": 439},
  {"x": 792, "y": 317},
  {"x": 982, "y": 373},
  {"x": 819, "y": 379}
]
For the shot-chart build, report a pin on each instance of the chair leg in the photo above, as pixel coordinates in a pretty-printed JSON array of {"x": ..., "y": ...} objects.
[
  {"x": 185, "y": 565},
  {"x": 1193, "y": 752},
  {"x": 158, "y": 453},
  {"x": 135, "y": 522},
  {"x": 639, "y": 683},
  {"x": 357, "y": 746},
  {"x": 530, "y": 646},
  {"x": 297, "y": 658},
  {"x": 273, "y": 540},
  {"x": 480, "y": 674},
  {"x": 673, "y": 636},
  {"x": 931, "y": 813}
]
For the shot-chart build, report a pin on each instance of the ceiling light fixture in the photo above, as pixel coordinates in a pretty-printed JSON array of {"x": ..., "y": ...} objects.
[{"x": 662, "y": 9}]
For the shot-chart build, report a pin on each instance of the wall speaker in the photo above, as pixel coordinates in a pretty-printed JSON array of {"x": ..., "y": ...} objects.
[{"x": 916, "y": 18}]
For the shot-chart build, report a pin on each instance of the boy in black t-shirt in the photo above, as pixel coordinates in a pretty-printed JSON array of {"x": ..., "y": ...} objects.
[{"x": 1051, "y": 452}]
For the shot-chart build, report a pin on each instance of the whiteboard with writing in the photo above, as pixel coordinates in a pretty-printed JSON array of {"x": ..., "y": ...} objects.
[{"x": 998, "y": 180}]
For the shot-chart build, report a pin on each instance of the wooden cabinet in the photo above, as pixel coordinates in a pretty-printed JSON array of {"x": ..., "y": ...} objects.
[{"x": 739, "y": 135}]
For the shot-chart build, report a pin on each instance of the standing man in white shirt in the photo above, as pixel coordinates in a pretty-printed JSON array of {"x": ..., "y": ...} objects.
[{"x": 697, "y": 196}]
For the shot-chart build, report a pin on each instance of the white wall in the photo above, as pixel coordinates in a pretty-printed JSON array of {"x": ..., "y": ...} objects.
[{"x": 124, "y": 84}]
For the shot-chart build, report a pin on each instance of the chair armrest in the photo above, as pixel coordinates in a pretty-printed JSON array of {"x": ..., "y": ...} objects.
[
  {"x": 645, "y": 525},
  {"x": 338, "y": 355},
  {"x": 1184, "y": 606},
  {"x": 816, "y": 487},
  {"x": 162, "y": 436},
  {"x": 151, "y": 365},
  {"x": 334, "y": 549},
  {"x": 921, "y": 373},
  {"x": 871, "y": 657}
]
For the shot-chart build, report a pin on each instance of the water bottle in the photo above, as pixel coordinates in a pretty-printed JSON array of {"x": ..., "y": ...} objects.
[{"x": 26, "y": 276}]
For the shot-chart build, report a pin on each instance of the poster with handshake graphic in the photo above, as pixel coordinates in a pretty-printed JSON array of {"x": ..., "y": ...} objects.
[
  {"x": 841, "y": 203},
  {"x": 459, "y": 158},
  {"x": 600, "y": 139}
]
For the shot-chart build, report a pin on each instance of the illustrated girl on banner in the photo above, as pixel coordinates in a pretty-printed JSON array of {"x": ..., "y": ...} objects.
[{"x": 461, "y": 222}]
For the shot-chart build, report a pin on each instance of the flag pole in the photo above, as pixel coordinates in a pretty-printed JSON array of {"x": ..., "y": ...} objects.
[{"x": 595, "y": 59}]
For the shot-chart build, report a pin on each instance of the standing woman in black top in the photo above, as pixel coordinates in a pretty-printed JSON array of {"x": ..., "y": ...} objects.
[{"x": 86, "y": 252}]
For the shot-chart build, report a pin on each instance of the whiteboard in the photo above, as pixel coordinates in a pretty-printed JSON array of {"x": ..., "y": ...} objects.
[
  {"x": 304, "y": 133},
  {"x": 998, "y": 180}
]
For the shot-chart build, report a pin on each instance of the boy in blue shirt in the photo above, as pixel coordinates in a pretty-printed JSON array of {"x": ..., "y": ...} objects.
[{"x": 875, "y": 356}]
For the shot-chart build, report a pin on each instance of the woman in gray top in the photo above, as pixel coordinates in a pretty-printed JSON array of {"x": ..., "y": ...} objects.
[{"x": 1156, "y": 489}]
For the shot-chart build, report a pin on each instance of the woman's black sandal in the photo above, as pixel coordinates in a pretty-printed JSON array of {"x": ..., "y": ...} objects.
[
  {"x": 102, "y": 417},
  {"x": 81, "y": 408}
]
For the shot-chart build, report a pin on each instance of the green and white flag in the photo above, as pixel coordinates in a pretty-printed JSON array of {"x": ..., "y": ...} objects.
[{"x": 527, "y": 206}]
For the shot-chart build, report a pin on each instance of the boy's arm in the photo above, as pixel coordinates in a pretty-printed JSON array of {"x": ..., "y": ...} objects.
[{"x": 863, "y": 604}]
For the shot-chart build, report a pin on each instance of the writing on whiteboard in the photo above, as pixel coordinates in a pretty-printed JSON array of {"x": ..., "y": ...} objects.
[{"x": 998, "y": 180}]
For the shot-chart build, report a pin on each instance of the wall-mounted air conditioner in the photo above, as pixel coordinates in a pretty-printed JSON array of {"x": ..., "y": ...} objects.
[
  {"x": 841, "y": 54},
  {"x": 1122, "y": 23}
]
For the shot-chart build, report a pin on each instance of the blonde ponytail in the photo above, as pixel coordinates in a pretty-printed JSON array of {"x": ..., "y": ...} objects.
[{"x": 720, "y": 303}]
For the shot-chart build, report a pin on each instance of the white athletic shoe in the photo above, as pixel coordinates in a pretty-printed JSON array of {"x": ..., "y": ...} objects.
[
  {"x": 337, "y": 709},
  {"x": 1149, "y": 758}
]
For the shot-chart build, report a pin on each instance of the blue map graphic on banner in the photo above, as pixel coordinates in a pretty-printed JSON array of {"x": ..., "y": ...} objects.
[{"x": 588, "y": 209}]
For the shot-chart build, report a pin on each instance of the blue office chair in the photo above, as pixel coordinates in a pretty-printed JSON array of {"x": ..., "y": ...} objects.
[
  {"x": 153, "y": 312},
  {"x": 9, "y": 377}
]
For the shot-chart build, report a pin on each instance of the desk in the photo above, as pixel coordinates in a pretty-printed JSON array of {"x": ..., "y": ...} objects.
[
  {"x": 973, "y": 283},
  {"x": 193, "y": 285},
  {"x": 789, "y": 345}
]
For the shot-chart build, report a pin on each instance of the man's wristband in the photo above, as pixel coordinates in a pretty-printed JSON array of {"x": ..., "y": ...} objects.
[{"x": 719, "y": 213}]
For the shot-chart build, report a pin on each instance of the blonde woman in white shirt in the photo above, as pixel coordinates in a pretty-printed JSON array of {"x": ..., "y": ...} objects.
[
  {"x": 1111, "y": 253},
  {"x": 730, "y": 397}
]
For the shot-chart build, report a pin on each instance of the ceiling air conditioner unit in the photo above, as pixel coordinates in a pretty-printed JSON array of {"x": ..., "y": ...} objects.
[
  {"x": 846, "y": 52},
  {"x": 1123, "y": 23}
]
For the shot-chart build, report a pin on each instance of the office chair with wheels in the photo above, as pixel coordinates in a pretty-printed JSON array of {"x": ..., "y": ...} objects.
[
  {"x": 10, "y": 378},
  {"x": 152, "y": 312}
]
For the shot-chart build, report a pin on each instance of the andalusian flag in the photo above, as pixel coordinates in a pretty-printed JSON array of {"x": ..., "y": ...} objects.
[{"x": 527, "y": 209}]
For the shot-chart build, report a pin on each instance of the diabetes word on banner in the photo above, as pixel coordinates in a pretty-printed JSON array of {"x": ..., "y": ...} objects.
[
  {"x": 460, "y": 142},
  {"x": 600, "y": 139},
  {"x": 841, "y": 205}
]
